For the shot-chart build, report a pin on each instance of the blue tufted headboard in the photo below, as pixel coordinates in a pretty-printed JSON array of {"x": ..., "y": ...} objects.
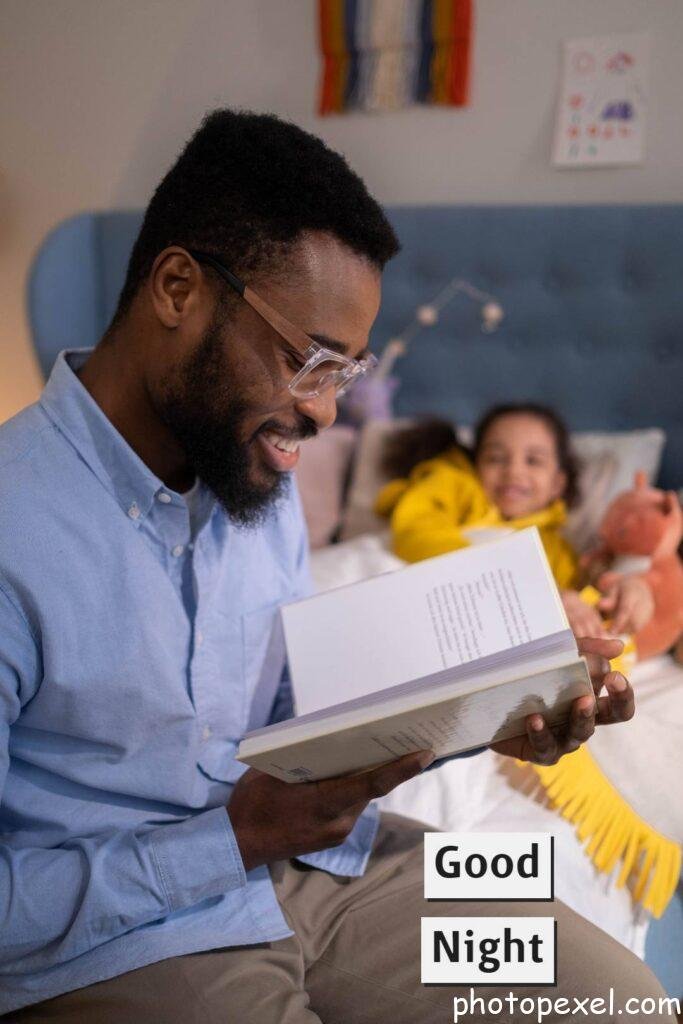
[{"x": 592, "y": 296}]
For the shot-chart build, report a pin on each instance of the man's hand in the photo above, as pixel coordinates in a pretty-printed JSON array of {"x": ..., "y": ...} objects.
[
  {"x": 275, "y": 820},
  {"x": 583, "y": 619},
  {"x": 543, "y": 746},
  {"x": 628, "y": 601}
]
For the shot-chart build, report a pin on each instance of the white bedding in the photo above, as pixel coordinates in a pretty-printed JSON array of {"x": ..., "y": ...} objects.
[{"x": 489, "y": 793}]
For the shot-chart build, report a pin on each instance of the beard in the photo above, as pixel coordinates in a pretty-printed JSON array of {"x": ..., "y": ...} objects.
[{"x": 206, "y": 416}]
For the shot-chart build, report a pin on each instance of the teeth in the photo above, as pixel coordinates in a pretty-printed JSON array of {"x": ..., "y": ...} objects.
[{"x": 285, "y": 444}]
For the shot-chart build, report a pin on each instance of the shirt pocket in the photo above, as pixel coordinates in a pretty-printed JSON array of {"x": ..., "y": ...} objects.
[{"x": 261, "y": 660}]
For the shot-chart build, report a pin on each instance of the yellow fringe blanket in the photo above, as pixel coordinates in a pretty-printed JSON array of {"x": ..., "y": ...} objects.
[{"x": 612, "y": 831}]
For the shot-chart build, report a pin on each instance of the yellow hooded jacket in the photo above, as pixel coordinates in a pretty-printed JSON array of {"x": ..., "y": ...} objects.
[{"x": 434, "y": 510}]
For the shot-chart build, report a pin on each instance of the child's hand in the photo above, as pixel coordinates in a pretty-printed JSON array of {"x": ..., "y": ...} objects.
[
  {"x": 595, "y": 563},
  {"x": 583, "y": 619},
  {"x": 628, "y": 601}
]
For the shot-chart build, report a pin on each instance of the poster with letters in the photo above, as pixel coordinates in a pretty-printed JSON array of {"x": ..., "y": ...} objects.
[{"x": 602, "y": 103}]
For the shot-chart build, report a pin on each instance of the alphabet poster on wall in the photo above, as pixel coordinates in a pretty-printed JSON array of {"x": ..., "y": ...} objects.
[{"x": 602, "y": 104}]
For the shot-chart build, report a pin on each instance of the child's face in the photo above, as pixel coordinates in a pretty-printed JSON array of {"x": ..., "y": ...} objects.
[{"x": 517, "y": 465}]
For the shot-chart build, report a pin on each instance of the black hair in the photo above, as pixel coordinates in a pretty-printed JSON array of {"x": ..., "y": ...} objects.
[
  {"x": 431, "y": 437},
  {"x": 245, "y": 188},
  {"x": 404, "y": 449},
  {"x": 566, "y": 458}
]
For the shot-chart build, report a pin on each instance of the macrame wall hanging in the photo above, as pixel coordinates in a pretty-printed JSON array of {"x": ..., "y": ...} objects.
[{"x": 386, "y": 54}]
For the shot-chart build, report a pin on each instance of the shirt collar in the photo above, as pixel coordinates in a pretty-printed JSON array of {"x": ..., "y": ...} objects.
[{"x": 76, "y": 414}]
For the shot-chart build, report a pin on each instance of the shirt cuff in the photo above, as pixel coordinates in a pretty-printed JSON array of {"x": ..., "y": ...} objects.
[
  {"x": 198, "y": 858},
  {"x": 351, "y": 858}
]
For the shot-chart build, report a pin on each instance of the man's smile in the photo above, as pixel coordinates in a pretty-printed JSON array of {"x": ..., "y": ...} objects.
[{"x": 281, "y": 453}]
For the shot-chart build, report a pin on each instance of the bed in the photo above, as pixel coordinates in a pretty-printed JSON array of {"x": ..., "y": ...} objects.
[{"x": 593, "y": 325}]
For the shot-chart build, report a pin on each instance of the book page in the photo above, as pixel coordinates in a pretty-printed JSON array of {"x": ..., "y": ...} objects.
[{"x": 411, "y": 623}]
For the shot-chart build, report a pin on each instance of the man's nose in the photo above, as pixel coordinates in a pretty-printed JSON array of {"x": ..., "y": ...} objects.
[{"x": 322, "y": 408}]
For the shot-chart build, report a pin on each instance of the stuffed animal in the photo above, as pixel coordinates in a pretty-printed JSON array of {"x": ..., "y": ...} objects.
[{"x": 640, "y": 534}]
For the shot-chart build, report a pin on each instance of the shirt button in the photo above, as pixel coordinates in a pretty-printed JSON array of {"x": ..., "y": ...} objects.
[
  {"x": 134, "y": 511},
  {"x": 206, "y": 732},
  {"x": 164, "y": 498},
  {"x": 177, "y": 550},
  {"x": 200, "y": 638}
]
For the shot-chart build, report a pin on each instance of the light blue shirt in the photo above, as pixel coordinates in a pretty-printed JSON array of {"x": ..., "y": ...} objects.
[{"x": 132, "y": 660}]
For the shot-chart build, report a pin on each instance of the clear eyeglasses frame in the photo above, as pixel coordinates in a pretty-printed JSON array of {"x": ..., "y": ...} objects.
[{"x": 321, "y": 368}]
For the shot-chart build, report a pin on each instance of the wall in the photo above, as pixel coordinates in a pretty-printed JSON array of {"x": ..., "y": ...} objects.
[{"x": 99, "y": 95}]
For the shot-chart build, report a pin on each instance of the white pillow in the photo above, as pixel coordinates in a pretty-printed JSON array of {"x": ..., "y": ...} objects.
[
  {"x": 337, "y": 565},
  {"x": 321, "y": 475},
  {"x": 631, "y": 449},
  {"x": 609, "y": 461},
  {"x": 595, "y": 484}
]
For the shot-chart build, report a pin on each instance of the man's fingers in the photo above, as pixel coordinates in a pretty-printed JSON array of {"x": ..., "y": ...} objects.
[
  {"x": 598, "y": 651},
  {"x": 619, "y": 703},
  {"x": 541, "y": 743},
  {"x": 543, "y": 746},
  {"x": 382, "y": 780},
  {"x": 337, "y": 795},
  {"x": 581, "y": 724},
  {"x": 603, "y": 646}
]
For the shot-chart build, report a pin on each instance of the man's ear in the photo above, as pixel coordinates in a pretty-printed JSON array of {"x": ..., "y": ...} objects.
[{"x": 175, "y": 284}]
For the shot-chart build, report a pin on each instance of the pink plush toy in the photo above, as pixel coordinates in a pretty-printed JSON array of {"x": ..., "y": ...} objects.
[{"x": 640, "y": 534}]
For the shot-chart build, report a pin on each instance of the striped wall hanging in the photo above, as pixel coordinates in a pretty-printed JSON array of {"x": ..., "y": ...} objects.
[{"x": 387, "y": 54}]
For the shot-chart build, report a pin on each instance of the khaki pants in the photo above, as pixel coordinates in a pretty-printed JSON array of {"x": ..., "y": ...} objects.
[{"x": 355, "y": 959}]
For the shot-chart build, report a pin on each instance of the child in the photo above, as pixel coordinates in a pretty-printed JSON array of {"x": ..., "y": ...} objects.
[{"x": 521, "y": 472}]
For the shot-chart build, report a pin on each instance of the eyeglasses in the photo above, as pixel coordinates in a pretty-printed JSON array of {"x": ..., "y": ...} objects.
[{"x": 320, "y": 367}]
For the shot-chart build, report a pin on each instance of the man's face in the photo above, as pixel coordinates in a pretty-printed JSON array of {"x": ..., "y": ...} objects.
[{"x": 226, "y": 399}]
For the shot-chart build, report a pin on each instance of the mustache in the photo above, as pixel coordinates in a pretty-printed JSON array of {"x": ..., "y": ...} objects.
[{"x": 305, "y": 429}]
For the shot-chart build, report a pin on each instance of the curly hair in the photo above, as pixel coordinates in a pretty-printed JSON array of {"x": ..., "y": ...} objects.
[
  {"x": 245, "y": 188},
  {"x": 406, "y": 448}
]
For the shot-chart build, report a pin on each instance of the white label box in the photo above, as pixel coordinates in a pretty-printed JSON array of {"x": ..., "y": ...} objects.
[
  {"x": 480, "y": 866},
  {"x": 488, "y": 951}
]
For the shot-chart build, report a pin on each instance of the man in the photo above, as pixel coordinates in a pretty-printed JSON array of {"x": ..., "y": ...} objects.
[{"x": 148, "y": 533}]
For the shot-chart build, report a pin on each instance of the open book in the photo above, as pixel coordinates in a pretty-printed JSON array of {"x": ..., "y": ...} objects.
[{"x": 448, "y": 654}]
